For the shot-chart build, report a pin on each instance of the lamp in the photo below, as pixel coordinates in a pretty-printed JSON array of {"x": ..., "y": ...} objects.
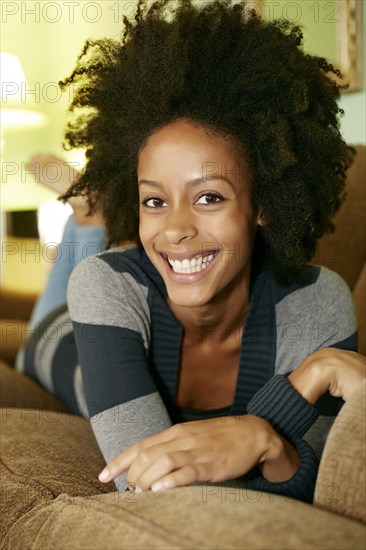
[{"x": 18, "y": 112}]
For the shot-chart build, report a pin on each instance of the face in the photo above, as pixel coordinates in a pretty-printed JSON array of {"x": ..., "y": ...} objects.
[{"x": 197, "y": 223}]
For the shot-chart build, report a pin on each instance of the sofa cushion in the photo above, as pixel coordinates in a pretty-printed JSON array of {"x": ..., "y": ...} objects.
[
  {"x": 341, "y": 482},
  {"x": 51, "y": 498},
  {"x": 18, "y": 390},
  {"x": 184, "y": 518},
  {"x": 45, "y": 453}
]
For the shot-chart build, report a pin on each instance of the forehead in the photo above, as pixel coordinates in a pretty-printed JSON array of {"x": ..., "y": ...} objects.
[{"x": 191, "y": 148}]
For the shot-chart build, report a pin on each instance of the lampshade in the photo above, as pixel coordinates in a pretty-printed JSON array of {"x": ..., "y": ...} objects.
[{"x": 18, "y": 110}]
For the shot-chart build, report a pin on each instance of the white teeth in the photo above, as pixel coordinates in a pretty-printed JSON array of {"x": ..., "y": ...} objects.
[{"x": 191, "y": 266}]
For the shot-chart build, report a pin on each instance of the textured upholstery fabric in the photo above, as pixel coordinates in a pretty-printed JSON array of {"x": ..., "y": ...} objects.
[
  {"x": 45, "y": 453},
  {"x": 16, "y": 305},
  {"x": 341, "y": 482},
  {"x": 12, "y": 334},
  {"x": 20, "y": 391},
  {"x": 179, "y": 519},
  {"x": 51, "y": 497}
]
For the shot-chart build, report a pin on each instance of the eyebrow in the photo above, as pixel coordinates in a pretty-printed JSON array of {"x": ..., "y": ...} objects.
[{"x": 189, "y": 183}]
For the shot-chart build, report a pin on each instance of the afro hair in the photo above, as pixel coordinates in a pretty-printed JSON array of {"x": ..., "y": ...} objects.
[{"x": 219, "y": 65}]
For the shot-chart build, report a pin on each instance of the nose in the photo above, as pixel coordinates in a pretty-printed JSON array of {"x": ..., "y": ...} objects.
[{"x": 180, "y": 224}]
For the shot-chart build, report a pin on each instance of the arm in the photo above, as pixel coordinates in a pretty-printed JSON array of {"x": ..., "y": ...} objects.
[
  {"x": 288, "y": 404},
  {"x": 215, "y": 450},
  {"x": 111, "y": 327},
  {"x": 329, "y": 369}
]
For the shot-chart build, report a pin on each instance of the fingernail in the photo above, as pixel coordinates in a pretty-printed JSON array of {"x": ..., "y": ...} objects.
[
  {"x": 157, "y": 486},
  {"x": 104, "y": 475}
]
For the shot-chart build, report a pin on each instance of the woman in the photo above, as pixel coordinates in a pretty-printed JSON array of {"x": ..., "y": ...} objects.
[{"x": 213, "y": 143}]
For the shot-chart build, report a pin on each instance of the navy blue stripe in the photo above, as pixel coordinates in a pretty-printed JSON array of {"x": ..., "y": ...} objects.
[
  {"x": 258, "y": 347},
  {"x": 64, "y": 363},
  {"x": 166, "y": 341},
  {"x": 130, "y": 378},
  {"x": 348, "y": 344}
]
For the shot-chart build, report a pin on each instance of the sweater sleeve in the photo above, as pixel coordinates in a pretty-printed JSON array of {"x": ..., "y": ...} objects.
[
  {"x": 110, "y": 317},
  {"x": 300, "y": 486},
  {"x": 283, "y": 407},
  {"x": 291, "y": 416}
]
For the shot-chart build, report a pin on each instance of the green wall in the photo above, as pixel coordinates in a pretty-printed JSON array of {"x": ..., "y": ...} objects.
[
  {"x": 48, "y": 37},
  {"x": 318, "y": 19}
]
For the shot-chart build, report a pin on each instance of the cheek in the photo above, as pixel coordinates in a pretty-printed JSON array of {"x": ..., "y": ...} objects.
[
  {"x": 143, "y": 228},
  {"x": 148, "y": 227}
]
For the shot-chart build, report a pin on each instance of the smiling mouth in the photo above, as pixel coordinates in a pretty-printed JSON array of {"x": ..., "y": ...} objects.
[{"x": 191, "y": 265}]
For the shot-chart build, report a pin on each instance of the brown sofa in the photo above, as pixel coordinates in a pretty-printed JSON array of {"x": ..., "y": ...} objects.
[{"x": 51, "y": 497}]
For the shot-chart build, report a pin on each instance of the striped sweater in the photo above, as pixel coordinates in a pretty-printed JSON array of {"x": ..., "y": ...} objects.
[{"x": 122, "y": 374}]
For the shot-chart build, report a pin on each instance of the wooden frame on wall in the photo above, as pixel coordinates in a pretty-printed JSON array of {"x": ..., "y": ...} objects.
[{"x": 349, "y": 39}]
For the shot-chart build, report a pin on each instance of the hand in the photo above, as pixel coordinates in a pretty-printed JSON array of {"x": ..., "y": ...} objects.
[
  {"x": 214, "y": 450},
  {"x": 329, "y": 369}
]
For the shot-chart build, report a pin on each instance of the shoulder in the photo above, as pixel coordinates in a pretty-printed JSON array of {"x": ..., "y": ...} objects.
[
  {"x": 331, "y": 294},
  {"x": 110, "y": 282},
  {"x": 125, "y": 265},
  {"x": 318, "y": 313},
  {"x": 321, "y": 285}
]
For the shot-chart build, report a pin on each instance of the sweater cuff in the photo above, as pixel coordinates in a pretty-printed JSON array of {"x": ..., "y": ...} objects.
[
  {"x": 283, "y": 407},
  {"x": 301, "y": 485}
]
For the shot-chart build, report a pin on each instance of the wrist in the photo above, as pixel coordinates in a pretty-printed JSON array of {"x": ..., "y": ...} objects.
[
  {"x": 281, "y": 461},
  {"x": 313, "y": 377}
]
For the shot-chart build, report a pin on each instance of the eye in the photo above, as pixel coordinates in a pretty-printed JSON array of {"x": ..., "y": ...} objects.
[
  {"x": 153, "y": 202},
  {"x": 210, "y": 198}
]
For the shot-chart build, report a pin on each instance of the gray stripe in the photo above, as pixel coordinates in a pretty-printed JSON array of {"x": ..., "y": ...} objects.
[
  {"x": 79, "y": 392},
  {"x": 311, "y": 318},
  {"x": 99, "y": 295},
  {"x": 119, "y": 427},
  {"x": 47, "y": 347}
]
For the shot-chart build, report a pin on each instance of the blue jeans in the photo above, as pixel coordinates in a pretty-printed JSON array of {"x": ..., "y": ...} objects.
[{"x": 78, "y": 242}]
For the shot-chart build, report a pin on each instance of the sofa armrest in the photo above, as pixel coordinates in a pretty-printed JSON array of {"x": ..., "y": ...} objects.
[
  {"x": 16, "y": 305},
  {"x": 341, "y": 482}
]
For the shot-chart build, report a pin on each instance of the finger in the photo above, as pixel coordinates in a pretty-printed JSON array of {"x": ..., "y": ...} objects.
[
  {"x": 123, "y": 461},
  {"x": 144, "y": 472},
  {"x": 179, "y": 478},
  {"x": 118, "y": 465},
  {"x": 151, "y": 454}
]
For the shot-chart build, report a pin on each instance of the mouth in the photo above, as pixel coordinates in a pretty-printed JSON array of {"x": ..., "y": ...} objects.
[{"x": 195, "y": 264}]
